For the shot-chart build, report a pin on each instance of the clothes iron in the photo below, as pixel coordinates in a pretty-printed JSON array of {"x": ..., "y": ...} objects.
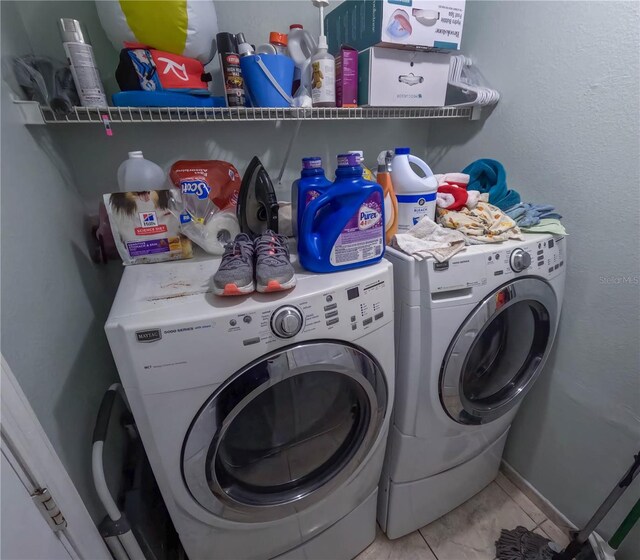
[{"x": 257, "y": 208}]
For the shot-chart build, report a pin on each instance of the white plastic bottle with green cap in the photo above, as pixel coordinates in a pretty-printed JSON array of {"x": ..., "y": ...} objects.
[
  {"x": 137, "y": 174},
  {"x": 323, "y": 76},
  {"x": 416, "y": 194}
]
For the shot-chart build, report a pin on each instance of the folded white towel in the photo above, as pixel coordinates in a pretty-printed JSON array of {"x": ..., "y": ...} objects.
[
  {"x": 444, "y": 200},
  {"x": 427, "y": 239}
]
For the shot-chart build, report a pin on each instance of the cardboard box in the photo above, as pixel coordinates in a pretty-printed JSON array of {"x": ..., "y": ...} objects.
[
  {"x": 347, "y": 77},
  {"x": 401, "y": 24},
  {"x": 400, "y": 78}
]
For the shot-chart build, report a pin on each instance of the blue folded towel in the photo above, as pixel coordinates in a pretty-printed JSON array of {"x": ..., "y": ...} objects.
[
  {"x": 489, "y": 176},
  {"x": 527, "y": 215}
]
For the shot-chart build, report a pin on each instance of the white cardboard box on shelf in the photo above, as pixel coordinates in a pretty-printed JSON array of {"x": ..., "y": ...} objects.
[
  {"x": 400, "y": 78},
  {"x": 399, "y": 24}
]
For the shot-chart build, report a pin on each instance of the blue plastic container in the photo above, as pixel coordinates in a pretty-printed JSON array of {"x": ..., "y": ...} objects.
[
  {"x": 344, "y": 227},
  {"x": 165, "y": 99},
  {"x": 311, "y": 185},
  {"x": 262, "y": 91}
]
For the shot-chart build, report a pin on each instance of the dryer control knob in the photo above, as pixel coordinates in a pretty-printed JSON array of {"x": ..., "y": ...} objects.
[
  {"x": 286, "y": 321},
  {"x": 520, "y": 260}
]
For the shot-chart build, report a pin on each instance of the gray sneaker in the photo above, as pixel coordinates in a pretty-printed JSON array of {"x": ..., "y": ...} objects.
[
  {"x": 235, "y": 274},
  {"x": 274, "y": 271}
]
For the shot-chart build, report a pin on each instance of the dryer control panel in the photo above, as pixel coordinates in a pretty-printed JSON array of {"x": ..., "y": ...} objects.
[
  {"x": 492, "y": 265},
  {"x": 541, "y": 258}
]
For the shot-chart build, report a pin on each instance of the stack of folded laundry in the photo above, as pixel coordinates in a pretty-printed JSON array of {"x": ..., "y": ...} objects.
[
  {"x": 536, "y": 218},
  {"x": 469, "y": 211}
]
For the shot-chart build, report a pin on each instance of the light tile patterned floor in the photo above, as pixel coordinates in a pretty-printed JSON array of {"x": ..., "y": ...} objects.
[{"x": 469, "y": 532}]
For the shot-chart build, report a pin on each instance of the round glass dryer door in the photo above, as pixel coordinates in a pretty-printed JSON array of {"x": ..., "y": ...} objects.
[
  {"x": 499, "y": 351},
  {"x": 284, "y": 432}
]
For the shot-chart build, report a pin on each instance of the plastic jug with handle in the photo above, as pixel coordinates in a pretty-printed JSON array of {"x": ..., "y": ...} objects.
[
  {"x": 138, "y": 174},
  {"x": 301, "y": 45},
  {"x": 416, "y": 195},
  {"x": 344, "y": 227},
  {"x": 311, "y": 184}
]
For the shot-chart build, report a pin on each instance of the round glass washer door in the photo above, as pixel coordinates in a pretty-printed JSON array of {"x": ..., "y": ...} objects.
[
  {"x": 284, "y": 432},
  {"x": 499, "y": 351}
]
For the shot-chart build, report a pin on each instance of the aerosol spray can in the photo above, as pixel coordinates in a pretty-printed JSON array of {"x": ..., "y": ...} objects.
[
  {"x": 230, "y": 67},
  {"x": 83, "y": 64}
]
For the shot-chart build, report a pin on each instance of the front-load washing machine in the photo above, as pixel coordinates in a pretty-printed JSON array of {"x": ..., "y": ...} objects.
[
  {"x": 472, "y": 335},
  {"x": 265, "y": 417}
]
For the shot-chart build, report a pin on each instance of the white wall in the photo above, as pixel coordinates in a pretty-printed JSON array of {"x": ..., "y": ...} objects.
[
  {"x": 54, "y": 300},
  {"x": 567, "y": 132}
]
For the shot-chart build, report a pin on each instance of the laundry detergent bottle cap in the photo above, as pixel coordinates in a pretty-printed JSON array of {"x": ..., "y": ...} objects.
[
  {"x": 344, "y": 227},
  {"x": 311, "y": 184},
  {"x": 139, "y": 174},
  {"x": 416, "y": 194},
  {"x": 314, "y": 162}
]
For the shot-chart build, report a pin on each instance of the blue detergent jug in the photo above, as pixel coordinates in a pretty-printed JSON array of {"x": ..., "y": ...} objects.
[
  {"x": 344, "y": 227},
  {"x": 312, "y": 184}
]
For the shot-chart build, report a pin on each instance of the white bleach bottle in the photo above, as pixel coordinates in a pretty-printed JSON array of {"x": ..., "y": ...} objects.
[
  {"x": 82, "y": 63},
  {"x": 416, "y": 195}
]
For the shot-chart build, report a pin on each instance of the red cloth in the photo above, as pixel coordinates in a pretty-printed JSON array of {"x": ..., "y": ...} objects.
[{"x": 459, "y": 194}]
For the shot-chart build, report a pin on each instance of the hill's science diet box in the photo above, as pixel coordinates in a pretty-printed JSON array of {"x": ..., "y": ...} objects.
[{"x": 400, "y": 24}]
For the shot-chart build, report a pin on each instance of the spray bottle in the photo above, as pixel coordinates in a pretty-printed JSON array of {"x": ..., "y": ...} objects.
[
  {"x": 82, "y": 63},
  {"x": 383, "y": 178},
  {"x": 231, "y": 72}
]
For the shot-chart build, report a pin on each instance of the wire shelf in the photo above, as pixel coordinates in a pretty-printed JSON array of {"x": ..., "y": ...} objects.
[{"x": 237, "y": 114}]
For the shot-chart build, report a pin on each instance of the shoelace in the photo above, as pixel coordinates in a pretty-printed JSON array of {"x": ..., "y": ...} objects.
[
  {"x": 236, "y": 252},
  {"x": 272, "y": 244}
]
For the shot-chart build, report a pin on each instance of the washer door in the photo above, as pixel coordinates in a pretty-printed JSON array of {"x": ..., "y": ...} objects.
[
  {"x": 284, "y": 432},
  {"x": 499, "y": 351}
]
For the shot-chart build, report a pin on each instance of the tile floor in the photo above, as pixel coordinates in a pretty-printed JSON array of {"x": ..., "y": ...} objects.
[{"x": 469, "y": 532}]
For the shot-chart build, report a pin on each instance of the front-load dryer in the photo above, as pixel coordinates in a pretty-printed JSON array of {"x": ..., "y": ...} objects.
[
  {"x": 264, "y": 417},
  {"x": 472, "y": 335}
]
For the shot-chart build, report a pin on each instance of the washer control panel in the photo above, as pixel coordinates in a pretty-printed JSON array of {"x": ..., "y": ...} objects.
[{"x": 345, "y": 311}]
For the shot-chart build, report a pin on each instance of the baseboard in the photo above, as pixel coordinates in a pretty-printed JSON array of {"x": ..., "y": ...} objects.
[{"x": 552, "y": 513}]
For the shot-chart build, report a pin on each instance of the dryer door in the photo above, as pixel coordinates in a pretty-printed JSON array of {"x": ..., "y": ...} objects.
[
  {"x": 285, "y": 431},
  {"x": 499, "y": 351}
]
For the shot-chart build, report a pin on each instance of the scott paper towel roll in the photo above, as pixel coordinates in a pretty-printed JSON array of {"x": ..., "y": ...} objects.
[
  {"x": 218, "y": 231},
  {"x": 221, "y": 228}
]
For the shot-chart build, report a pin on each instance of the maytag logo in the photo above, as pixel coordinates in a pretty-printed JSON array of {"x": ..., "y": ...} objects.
[{"x": 149, "y": 336}]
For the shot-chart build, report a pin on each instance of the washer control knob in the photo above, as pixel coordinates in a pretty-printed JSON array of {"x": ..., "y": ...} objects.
[
  {"x": 286, "y": 321},
  {"x": 520, "y": 260}
]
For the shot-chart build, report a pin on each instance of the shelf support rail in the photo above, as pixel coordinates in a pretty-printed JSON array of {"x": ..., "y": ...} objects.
[{"x": 287, "y": 154}]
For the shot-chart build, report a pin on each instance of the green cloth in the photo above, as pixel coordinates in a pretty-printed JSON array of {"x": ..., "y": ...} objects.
[{"x": 546, "y": 225}]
